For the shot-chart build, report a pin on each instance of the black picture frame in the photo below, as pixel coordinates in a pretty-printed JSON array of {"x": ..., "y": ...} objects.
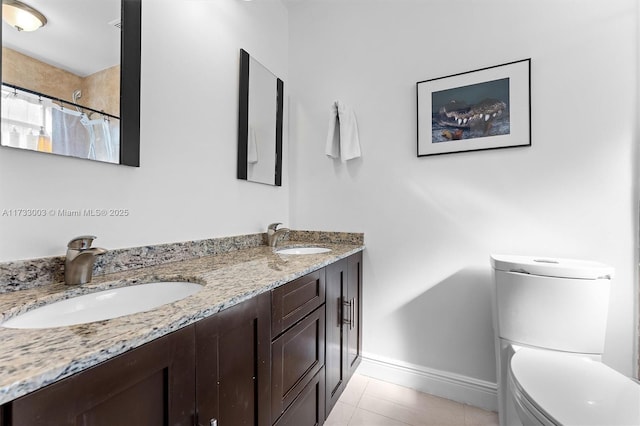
[
  {"x": 130, "y": 68},
  {"x": 483, "y": 109}
]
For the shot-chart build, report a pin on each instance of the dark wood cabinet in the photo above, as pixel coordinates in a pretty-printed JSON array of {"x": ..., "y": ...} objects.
[
  {"x": 344, "y": 325},
  {"x": 354, "y": 324},
  {"x": 297, "y": 356},
  {"x": 5, "y": 420},
  {"x": 232, "y": 365},
  {"x": 308, "y": 408},
  {"x": 217, "y": 369},
  {"x": 151, "y": 385},
  {"x": 298, "y": 351},
  {"x": 293, "y": 301},
  {"x": 335, "y": 360},
  {"x": 281, "y": 358}
]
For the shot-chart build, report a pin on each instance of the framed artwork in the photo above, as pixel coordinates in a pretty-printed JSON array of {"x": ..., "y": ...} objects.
[{"x": 488, "y": 108}]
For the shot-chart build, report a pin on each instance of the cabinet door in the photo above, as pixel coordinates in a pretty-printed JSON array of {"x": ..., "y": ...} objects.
[
  {"x": 232, "y": 365},
  {"x": 336, "y": 360},
  {"x": 354, "y": 305},
  {"x": 151, "y": 385}
]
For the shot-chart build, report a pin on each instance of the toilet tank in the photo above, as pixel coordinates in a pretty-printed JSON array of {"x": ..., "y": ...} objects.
[{"x": 559, "y": 304}]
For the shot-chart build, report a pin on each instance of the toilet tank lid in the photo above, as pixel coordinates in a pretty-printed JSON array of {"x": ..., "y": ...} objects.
[{"x": 552, "y": 267}]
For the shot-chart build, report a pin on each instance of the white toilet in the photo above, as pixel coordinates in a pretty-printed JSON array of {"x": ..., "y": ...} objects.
[{"x": 550, "y": 319}]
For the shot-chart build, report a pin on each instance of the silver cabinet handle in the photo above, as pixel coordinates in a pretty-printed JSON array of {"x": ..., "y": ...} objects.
[
  {"x": 353, "y": 313},
  {"x": 213, "y": 422},
  {"x": 347, "y": 308}
]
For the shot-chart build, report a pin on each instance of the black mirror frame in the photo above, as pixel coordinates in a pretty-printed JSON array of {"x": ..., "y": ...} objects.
[
  {"x": 243, "y": 121},
  {"x": 131, "y": 42},
  {"x": 130, "y": 48}
]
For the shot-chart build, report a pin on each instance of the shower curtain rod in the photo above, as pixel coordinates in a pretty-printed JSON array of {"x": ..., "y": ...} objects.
[{"x": 42, "y": 95}]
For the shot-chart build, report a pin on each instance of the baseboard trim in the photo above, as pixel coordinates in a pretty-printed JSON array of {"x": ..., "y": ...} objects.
[{"x": 457, "y": 387}]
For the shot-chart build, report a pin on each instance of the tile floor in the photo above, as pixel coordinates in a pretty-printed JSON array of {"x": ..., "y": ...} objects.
[{"x": 370, "y": 402}]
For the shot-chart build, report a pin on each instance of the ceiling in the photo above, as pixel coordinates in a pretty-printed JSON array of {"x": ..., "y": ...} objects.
[{"x": 77, "y": 37}]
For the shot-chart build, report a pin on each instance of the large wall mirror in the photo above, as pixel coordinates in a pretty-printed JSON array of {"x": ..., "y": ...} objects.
[
  {"x": 260, "y": 123},
  {"x": 72, "y": 86}
]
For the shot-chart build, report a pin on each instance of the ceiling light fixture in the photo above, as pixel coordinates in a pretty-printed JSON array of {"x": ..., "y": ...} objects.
[{"x": 21, "y": 16}]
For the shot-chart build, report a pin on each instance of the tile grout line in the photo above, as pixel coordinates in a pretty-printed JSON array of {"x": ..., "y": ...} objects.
[
  {"x": 363, "y": 391},
  {"x": 358, "y": 407},
  {"x": 467, "y": 417},
  {"x": 380, "y": 415}
]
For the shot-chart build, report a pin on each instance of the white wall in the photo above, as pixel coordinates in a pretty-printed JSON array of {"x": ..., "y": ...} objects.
[
  {"x": 186, "y": 186},
  {"x": 430, "y": 223}
]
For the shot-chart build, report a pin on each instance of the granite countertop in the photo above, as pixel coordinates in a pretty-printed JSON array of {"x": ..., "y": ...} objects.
[{"x": 31, "y": 359}]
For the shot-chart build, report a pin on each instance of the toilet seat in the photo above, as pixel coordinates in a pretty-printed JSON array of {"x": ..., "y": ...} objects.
[
  {"x": 559, "y": 388},
  {"x": 528, "y": 413}
]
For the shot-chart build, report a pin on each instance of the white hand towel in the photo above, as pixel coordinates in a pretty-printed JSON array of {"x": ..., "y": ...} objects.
[
  {"x": 333, "y": 137},
  {"x": 252, "y": 147},
  {"x": 349, "y": 139},
  {"x": 342, "y": 139}
]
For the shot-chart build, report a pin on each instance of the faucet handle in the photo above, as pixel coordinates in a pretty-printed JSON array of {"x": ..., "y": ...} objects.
[
  {"x": 82, "y": 242},
  {"x": 274, "y": 226}
]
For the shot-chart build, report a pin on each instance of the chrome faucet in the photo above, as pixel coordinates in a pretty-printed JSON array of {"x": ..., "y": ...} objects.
[
  {"x": 274, "y": 234},
  {"x": 78, "y": 265}
]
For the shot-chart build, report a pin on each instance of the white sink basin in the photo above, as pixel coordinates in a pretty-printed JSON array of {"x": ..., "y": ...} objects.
[
  {"x": 103, "y": 305},
  {"x": 303, "y": 250}
]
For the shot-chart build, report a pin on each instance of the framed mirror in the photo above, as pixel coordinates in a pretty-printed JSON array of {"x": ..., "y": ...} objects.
[
  {"x": 260, "y": 123},
  {"x": 72, "y": 86}
]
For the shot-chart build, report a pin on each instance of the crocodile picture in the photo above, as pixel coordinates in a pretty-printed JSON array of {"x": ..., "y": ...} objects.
[
  {"x": 477, "y": 117},
  {"x": 473, "y": 111}
]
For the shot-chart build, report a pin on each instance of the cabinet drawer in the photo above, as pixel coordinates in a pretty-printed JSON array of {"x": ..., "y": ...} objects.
[
  {"x": 297, "y": 356},
  {"x": 308, "y": 408},
  {"x": 293, "y": 301}
]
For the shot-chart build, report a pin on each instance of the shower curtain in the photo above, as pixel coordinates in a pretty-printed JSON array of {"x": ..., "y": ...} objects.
[
  {"x": 22, "y": 117},
  {"x": 76, "y": 135},
  {"x": 72, "y": 131}
]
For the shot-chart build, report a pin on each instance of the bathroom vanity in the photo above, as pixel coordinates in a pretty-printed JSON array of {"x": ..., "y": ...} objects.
[{"x": 270, "y": 340}]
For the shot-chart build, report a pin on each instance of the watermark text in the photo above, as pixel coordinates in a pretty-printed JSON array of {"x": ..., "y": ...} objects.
[{"x": 32, "y": 212}]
